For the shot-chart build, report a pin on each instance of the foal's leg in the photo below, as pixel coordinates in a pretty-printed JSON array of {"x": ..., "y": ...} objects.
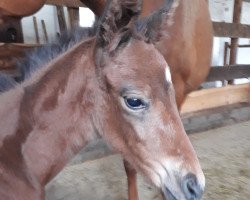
[{"x": 131, "y": 177}]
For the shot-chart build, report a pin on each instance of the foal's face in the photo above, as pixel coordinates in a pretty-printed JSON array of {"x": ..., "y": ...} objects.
[{"x": 143, "y": 123}]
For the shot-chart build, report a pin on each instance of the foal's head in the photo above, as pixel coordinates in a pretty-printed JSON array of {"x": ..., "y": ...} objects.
[{"x": 138, "y": 114}]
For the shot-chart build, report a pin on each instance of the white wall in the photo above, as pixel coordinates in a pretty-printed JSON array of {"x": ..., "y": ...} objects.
[{"x": 49, "y": 15}]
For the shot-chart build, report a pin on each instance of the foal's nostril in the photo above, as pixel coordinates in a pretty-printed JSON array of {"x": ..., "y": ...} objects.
[{"x": 191, "y": 188}]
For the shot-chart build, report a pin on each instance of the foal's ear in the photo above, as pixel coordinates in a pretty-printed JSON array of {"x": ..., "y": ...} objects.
[
  {"x": 115, "y": 24},
  {"x": 152, "y": 27}
]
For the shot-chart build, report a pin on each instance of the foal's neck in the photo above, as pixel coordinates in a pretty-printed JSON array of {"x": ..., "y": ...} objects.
[{"x": 54, "y": 116}]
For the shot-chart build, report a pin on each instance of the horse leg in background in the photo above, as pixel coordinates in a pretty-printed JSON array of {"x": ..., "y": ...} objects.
[{"x": 131, "y": 178}]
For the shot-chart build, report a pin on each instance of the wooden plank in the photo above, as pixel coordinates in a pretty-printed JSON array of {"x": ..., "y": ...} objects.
[
  {"x": 235, "y": 41},
  {"x": 67, "y": 3},
  {"x": 216, "y": 97},
  {"x": 74, "y": 17},
  {"x": 11, "y": 51},
  {"x": 222, "y": 29},
  {"x": 61, "y": 19},
  {"x": 45, "y": 33},
  {"x": 7, "y": 64},
  {"x": 36, "y": 30},
  {"x": 221, "y": 73},
  {"x": 8, "y": 49}
]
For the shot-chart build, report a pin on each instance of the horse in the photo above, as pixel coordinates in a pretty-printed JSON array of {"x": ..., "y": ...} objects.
[
  {"x": 113, "y": 84},
  {"x": 186, "y": 46},
  {"x": 19, "y": 8}
]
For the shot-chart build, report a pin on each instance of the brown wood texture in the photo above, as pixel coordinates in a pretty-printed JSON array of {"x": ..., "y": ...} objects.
[
  {"x": 235, "y": 41},
  {"x": 45, "y": 33},
  {"x": 61, "y": 19},
  {"x": 73, "y": 17},
  {"x": 67, "y": 3},
  {"x": 222, "y": 29},
  {"x": 221, "y": 73},
  {"x": 9, "y": 52},
  {"x": 36, "y": 30},
  {"x": 216, "y": 97}
]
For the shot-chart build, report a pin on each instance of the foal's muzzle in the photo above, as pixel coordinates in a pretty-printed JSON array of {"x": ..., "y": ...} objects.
[{"x": 189, "y": 187}]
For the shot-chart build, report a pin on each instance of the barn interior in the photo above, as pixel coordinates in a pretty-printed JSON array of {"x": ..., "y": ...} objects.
[{"x": 216, "y": 116}]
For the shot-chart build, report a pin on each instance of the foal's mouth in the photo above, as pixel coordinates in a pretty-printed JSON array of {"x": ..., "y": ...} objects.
[{"x": 190, "y": 190}]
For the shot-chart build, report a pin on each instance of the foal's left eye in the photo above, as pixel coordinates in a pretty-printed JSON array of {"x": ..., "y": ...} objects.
[{"x": 134, "y": 103}]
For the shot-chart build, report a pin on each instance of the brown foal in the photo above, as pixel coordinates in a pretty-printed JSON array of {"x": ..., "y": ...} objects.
[
  {"x": 115, "y": 85},
  {"x": 186, "y": 45}
]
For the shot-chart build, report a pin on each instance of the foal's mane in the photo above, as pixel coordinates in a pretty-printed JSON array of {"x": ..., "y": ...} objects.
[{"x": 41, "y": 56}]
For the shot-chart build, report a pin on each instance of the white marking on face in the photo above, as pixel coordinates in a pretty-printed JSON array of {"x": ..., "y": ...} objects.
[
  {"x": 168, "y": 74},
  {"x": 201, "y": 179},
  {"x": 167, "y": 170}
]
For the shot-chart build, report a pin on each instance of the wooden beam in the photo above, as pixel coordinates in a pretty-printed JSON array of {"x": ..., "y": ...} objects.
[
  {"x": 222, "y": 29},
  {"x": 67, "y": 3},
  {"x": 216, "y": 97},
  {"x": 235, "y": 41},
  {"x": 36, "y": 30},
  {"x": 221, "y": 73},
  {"x": 61, "y": 19},
  {"x": 74, "y": 17},
  {"x": 8, "y": 49},
  {"x": 45, "y": 33}
]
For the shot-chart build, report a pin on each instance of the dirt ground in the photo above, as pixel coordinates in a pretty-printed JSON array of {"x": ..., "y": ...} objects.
[
  {"x": 224, "y": 154},
  {"x": 225, "y": 157}
]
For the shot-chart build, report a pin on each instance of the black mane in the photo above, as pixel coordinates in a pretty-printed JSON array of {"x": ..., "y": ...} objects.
[
  {"x": 40, "y": 56},
  {"x": 6, "y": 82}
]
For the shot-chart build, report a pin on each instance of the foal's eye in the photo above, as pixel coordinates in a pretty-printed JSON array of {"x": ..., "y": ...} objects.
[{"x": 134, "y": 103}]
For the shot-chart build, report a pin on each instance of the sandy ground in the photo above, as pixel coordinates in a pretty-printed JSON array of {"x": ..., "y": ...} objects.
[
  {"x": 225, "y": 157},
  {"x": 224, "y": 154}
]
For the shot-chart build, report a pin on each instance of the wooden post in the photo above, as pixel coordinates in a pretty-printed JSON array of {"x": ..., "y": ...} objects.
[
  {"x": 61, "y": 19},
  {"x": 73, "y": 16},
  {"x": 45, "y": 31},
  {"x": 224, "y": 83},
  {"x": 234, "y": 41},
  {"x": 36, "y": 30}
]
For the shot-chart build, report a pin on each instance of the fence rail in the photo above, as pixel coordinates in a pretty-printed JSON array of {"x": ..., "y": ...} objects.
[{"x": 221, "y": 73}]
